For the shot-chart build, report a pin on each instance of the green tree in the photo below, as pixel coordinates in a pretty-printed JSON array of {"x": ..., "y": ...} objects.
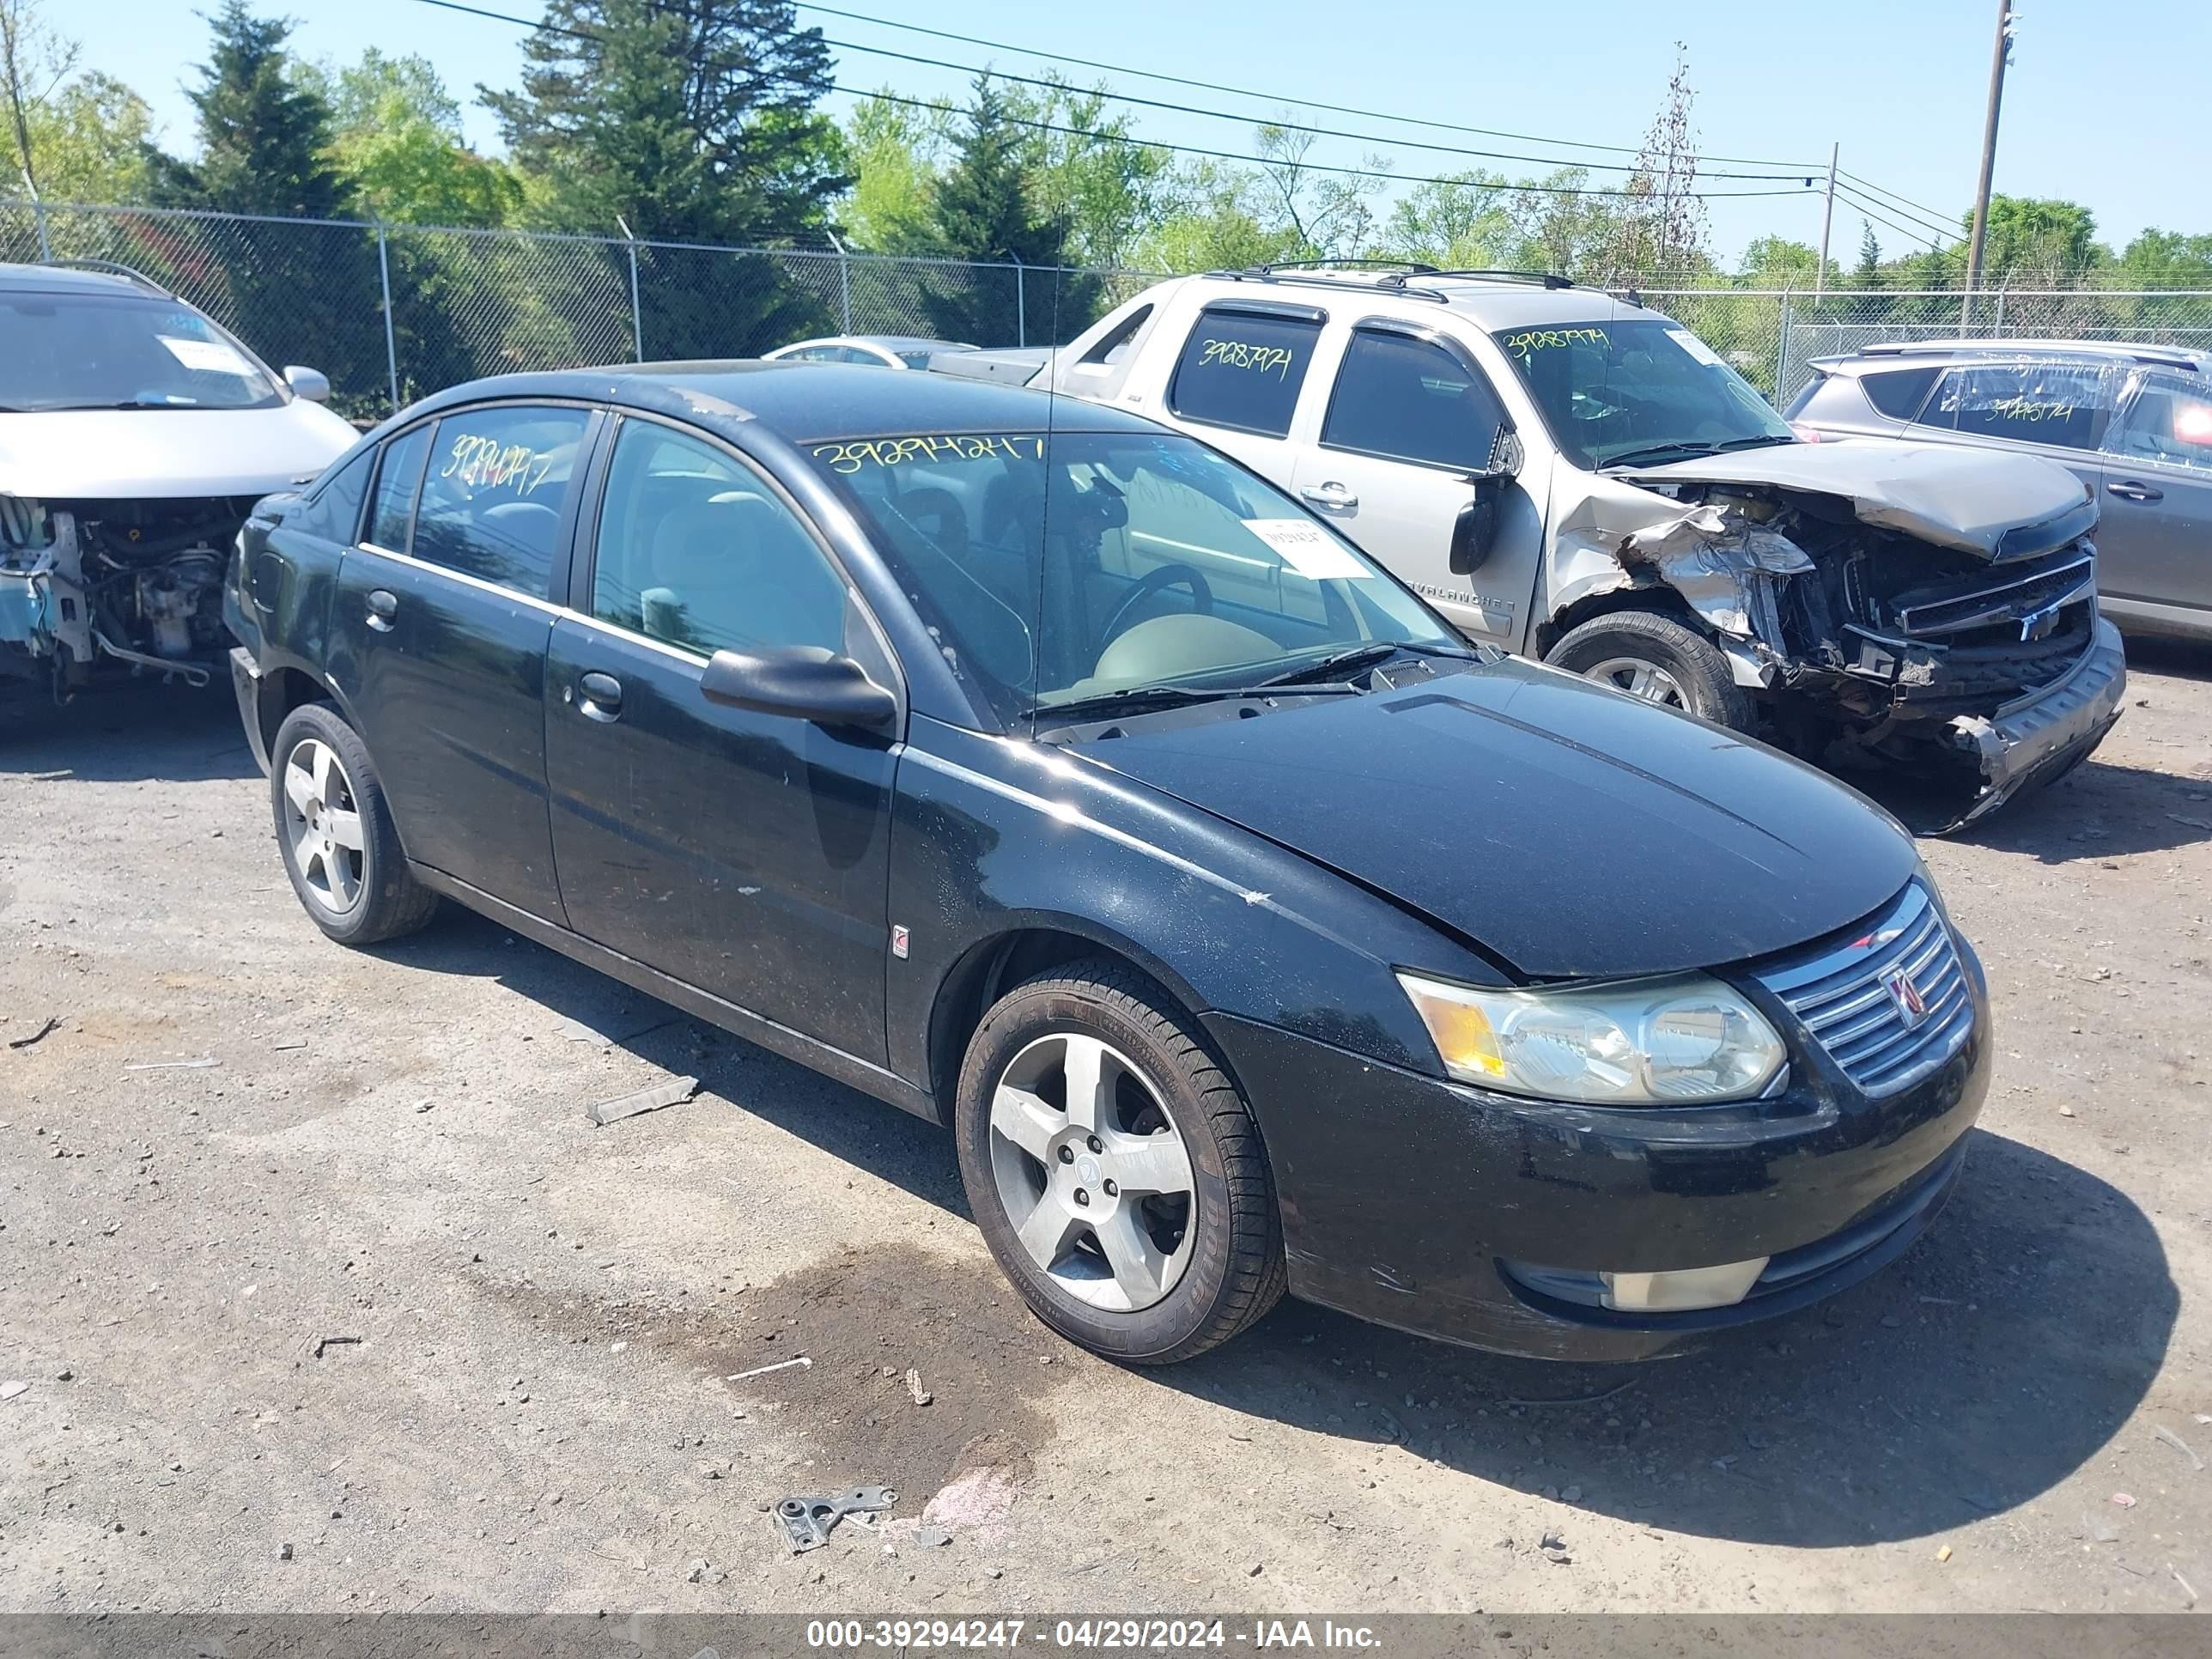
[
  {"x": 2164, "y": 258},
  {"x": 1081, "y": 171},
  {"x": 2032, "y": 242},
  {"x": 984, "y": 212},
  {"x": 896, "y": 155},
  {"x": 1466, "y": 223},
  {"x": 397, "y": 141},
  {"x": 265, "y": 132},
  {"x": 1211, "y": 219},
  {"x": 1868, "y": 272},
  {"x": 1779, "y": 262},
  {"x": 1561, "y": 228}
]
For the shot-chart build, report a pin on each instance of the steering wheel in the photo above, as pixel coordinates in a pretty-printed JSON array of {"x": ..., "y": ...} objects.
[{"x": 1153, "y": 581}]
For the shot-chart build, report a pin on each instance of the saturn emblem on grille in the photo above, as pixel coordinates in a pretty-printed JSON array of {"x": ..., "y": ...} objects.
[{"x": 1912, "y": 1007}]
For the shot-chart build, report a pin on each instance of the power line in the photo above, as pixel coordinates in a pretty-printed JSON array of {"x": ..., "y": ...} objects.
[
  {"x": 819, "y": 84},
  {"x": 1881, "y": 189},
  {"x": 1913, "y": 220},
  {"x": 1242, "y": 92},
  {"x": 1862, "y": 206}
]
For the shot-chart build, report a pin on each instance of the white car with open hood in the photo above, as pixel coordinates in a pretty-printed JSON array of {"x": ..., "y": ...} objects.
[
  {"x": 136, "y": 434},
  {"x": 1573, "y": 477}
]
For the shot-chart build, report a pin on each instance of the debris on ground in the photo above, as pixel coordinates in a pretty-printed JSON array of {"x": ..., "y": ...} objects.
[
  {"x": 199, "y": 1065},
  {"x": 802, "y": 1362},
  {"x": 1943, "y": 1554},
  {"x": 805, "y": 1522},
  {"x": 2096, "y": 1532},
  {"x": 2125, "y": 1500},
  {"x": 53, "y": 1025},
  {"x": 284, "y": 1044},
  {"x": 323, "y": 1342},
  {"x": 921, "y": 1397},
  {"x": 932, "y": 1537},
  {"x": 10, "y": 1390},
  {"x": 2191, "y": 823},
  {"x": 982, "y": 1496},
  {"x": 284, "y": 1552},
  {"x": 2187, "y": 1588},
  {"x": 674, "y": 1092},
  {"x": 1553, "y": 1544},
  {"x": 2179, "y": 1444}
]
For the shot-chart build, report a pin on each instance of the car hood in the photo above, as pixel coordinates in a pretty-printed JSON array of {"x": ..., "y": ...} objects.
[
  {"x": 1566, "y": 828},
  {"x": 1964, "y": 499},
  {"x": 105, "y": 454}
]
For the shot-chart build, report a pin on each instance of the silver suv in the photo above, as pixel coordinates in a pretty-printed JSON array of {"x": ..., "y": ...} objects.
[
  {"x": 2133, "y": 422},
  {"x": 1583, "y": 480}
]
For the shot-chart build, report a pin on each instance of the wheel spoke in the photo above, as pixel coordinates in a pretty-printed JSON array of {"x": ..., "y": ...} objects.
[
  {"x": 305, "y": 849},
  {"x": 298, "y": 788},
  {"x": 1048, "y": 1232},
  {"x": 326, "y": 768},
  {"x": 1085, "y": 1066},
  {"x": 1149, "y": 1163},
  {"x": 1140, "y": 1266},
  {"x": 337, "y": 869},
  {"x": 344, "y": 828},
  {"x": 1026, "y": 1120}
]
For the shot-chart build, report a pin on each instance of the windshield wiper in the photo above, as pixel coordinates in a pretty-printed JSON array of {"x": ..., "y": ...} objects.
[
  {"x": 1690, "y": 450},
  {"x": 1358, "y": 656},
  {"x": 1135, "y": 699}
]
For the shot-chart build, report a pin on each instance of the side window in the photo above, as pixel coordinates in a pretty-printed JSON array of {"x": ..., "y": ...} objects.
[
  {"x": 395, "y": 484},
  {"x": 1411, "y": 400},
  {"x": 1899, "y": 392},
  {"x": 332, "y": 514},
  {"x": 2170, "y": 422},
  {"x": 1243, "y": 369},
  {"x": 695, "y": 550},
  {"x": 493, "y": 493},
  {"x": 2061, "y": 404}
]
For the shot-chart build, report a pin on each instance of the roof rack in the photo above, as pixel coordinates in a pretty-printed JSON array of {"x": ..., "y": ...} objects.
[
  {"x": 1394, "y": 283},
  {"x": 113, "y": 268},
  {"x": 1398, "y": 277},
  {"x": 1551, "y": 279},
  {"x": 2164, "y": 357}
]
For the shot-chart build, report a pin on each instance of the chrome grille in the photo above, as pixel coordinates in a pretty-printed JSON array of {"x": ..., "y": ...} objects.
[{"x": 1843, "y": 996}]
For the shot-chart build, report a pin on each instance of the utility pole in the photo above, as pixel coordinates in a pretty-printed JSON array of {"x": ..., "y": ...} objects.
[
  {"x": 1828, "y": 219},
  {"x": 1988, "y": 150}
]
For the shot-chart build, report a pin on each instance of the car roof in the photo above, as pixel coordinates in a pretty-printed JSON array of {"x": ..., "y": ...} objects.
[
  {"x": 882, "y": 342},
  {"x": 2182, "y": 358},
  {"x": 70, "y": 279},
  {"x": 1492, "y": 302},
  {"x": 804, "y": 403}
]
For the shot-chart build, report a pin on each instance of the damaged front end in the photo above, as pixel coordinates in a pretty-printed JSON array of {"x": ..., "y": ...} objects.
[
  {"x": 1959, "y": 656},
  {"x": 92, "y": 589}
]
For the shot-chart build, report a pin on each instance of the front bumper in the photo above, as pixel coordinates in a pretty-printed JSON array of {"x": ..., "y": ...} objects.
[
  {"x": 2040, "y": 737},
  {"x": 246, "y": 685},
  {"x": 1404, "y": 1196}
]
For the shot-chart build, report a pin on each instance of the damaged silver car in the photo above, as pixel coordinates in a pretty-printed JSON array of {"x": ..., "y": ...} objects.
[
  {"x": 136, "y": 434},
  {"x": 1579, "y": 478}
]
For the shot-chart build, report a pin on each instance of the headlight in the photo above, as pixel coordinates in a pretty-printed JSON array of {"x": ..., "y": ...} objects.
[{"x": 1636, "y": 1042}]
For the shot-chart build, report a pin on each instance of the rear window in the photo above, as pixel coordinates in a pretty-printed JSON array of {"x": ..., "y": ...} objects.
[
  {"x": 2065, "y": 404},
  {"x": 1243, "y": 369},
  {"x": 1899, "y": 392},
  {"x": 492, "y": 498}
]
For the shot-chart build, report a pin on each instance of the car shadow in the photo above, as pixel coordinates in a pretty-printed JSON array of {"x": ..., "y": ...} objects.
[
  {"x": 138, "y": 730},
  {"x": 2101, "y": 810},
  {"x": 1989, "y": 1364},
  {"x": 2152, "y": 653}
]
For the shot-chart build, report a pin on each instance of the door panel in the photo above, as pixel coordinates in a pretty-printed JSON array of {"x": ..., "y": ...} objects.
[
  {"x": 2154, "y": 537},
  {"x": 745, "y": 854}
]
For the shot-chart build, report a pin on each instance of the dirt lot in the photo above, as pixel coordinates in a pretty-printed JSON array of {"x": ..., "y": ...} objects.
[{"x": 529, "y": 1406}]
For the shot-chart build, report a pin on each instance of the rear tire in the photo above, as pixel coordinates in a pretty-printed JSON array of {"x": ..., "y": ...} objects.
[
  {"x": 1194, "y": 1201},
  {"x": 335, "y": 833},
  {"x": 1657, "y": 658}
]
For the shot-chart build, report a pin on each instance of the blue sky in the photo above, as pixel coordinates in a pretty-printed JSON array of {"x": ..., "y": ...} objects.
[{"x": 1898, "y": 83}]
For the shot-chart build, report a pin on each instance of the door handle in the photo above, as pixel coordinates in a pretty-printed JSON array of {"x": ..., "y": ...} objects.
[
  {"x": 1331, "y": 494},
  {"x": 383, "y": 606},
  {"x": 601, "y": 696},
  {"x": 2131, "y": 491}
]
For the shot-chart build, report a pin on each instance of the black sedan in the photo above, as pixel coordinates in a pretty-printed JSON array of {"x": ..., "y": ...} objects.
[{"x": 1047, "y": 774}]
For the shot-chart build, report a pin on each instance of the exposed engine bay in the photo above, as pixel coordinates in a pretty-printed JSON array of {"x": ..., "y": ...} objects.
[
  {"x": 1871, "y": 646},
  {"x": 88, "y": 589}
]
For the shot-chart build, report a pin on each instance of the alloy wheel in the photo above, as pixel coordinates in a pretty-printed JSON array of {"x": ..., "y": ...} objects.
[
  {"x": 322, "y": 820},
  {"x": 1639, "y": 678},
  {"x": 1094, "y": 1175}
]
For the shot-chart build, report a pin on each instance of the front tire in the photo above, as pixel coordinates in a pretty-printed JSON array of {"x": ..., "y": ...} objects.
[
  {"x": 1657, "y": 658},
  {"x": 335, "y": 833},
  {"x": 1115, "y": 1169}
]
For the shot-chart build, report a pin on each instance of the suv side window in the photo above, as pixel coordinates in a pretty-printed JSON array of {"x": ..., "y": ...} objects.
[
  {"x": 332, "y": 514},
  {"x": 2169, "y": 422},
  {"x": 1242, "y": 369},
  {"x": 1411, "y": 400},
  {"x": 695, "y": 550},
  {"x": 2065, "y": 404},
  {"x": 493, "y": 493},
  {"x": 396, "y": 482}
]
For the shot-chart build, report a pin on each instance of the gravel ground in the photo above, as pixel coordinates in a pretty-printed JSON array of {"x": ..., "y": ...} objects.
[{"x": 365, "y": 1315}]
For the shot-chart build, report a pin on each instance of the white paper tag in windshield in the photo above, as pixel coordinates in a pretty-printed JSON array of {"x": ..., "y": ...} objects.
[
  {"x": 1308, "y": 549},
  {"x": 211, "y": 355},
  {"x": 1697, "y": 348}
]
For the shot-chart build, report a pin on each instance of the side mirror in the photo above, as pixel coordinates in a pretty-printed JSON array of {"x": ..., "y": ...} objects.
[
  {"x": 311, "y": 383},
  {"x": 1474, "y": 532},
  {"x": 805, "y": 683}
]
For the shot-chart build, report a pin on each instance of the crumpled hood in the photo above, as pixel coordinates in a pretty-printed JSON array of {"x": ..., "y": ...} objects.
[
  {"x": 1568, "y": 829},
  {"x": 1964, "y": 499},
  {"x": 108, "y": 454}
]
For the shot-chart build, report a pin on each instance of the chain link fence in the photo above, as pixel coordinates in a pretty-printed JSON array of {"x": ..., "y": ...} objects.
[{"x": 393, "y": 312}]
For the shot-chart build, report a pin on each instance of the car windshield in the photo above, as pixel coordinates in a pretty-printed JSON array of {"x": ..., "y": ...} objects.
[
  {"x": 1060, "y": 569},
  {"x": 1646, "y": 390},
  {"x": 127, "y": 351}
]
